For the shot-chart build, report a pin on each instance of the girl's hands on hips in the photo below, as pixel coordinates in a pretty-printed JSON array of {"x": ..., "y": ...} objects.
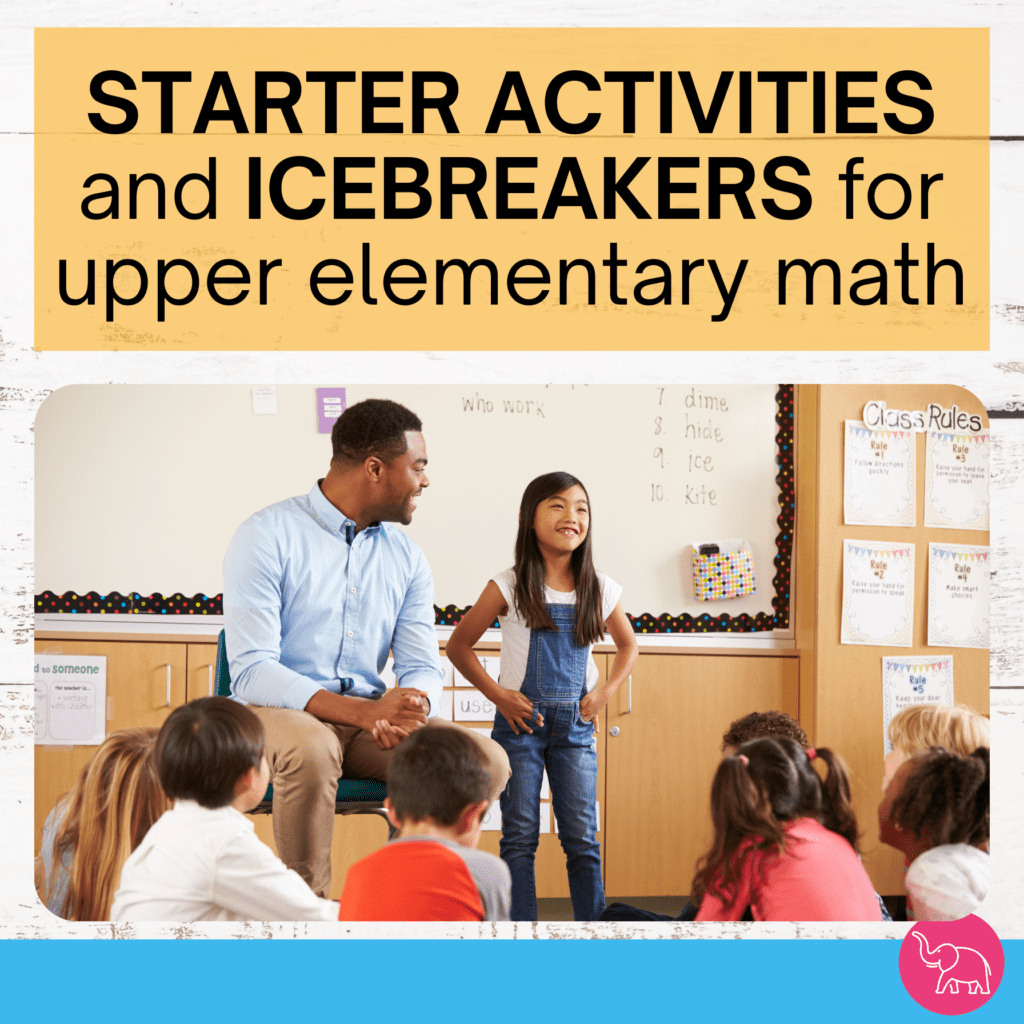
[
  {"x": 590, "y": 707},
  {"x": 518, "y": 710}
]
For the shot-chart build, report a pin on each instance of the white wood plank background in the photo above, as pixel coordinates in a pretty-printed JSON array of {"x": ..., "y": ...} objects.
[{"x": 26, "y": 377}]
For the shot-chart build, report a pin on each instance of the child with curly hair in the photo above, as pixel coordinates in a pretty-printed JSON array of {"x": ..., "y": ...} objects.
[{"x": 936, "y": 812}]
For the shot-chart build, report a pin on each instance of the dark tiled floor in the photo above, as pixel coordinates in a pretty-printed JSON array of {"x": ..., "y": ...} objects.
[{"x": 561, "y": 909}]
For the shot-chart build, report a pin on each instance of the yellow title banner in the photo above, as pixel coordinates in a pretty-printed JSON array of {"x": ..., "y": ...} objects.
[{"x": 231, "y": 189}]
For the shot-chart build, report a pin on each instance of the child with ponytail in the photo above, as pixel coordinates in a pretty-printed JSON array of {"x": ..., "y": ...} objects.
[{"x": 785, "y": 841}]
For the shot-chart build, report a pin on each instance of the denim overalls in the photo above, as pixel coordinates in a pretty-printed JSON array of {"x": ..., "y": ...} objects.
[{"x": 556, "y": 679}]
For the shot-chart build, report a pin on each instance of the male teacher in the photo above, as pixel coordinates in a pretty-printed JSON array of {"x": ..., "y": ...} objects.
[{"x": 318, "y": 590}]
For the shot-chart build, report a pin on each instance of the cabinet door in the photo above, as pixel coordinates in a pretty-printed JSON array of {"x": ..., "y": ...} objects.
[
  {"x": 202, "y": 669},
  {"x": 661, "y": 762},
  {"x": 144, "y": 681}
]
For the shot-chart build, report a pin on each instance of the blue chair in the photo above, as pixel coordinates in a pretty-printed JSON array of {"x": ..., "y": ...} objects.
[{"x": 355, "y": 796}]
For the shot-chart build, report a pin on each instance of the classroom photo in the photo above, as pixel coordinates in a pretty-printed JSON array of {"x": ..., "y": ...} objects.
[{"x": 631, "y": 655}]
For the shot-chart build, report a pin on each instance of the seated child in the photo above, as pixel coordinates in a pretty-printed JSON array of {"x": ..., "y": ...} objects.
[
  {"x": 771, "y": 849},
  {"x": 438, "y": 787},
  {"x": 759, "y": 725},
  {"x": 91, "y": 831},
  {"x": 936, "y": 811},
  {"x": 915, "y": 730},
  {"x": 202, "y": 861}
]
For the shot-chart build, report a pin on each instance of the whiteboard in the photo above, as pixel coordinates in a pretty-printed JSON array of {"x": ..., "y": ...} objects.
[
  {"x": 162, "y": 476},
  {"x": 664, "y": 467}
]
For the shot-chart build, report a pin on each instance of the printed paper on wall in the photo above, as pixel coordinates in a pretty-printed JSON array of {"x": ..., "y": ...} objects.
[
  {"x": 914, "y": 680},
  {"x": 878, "y": 593},
  {"x": 879, "y": 477},
  {"x": 70, "y": 699},
  {"x": 956, "y": 481},
  {"x": 958, "y": 595}
]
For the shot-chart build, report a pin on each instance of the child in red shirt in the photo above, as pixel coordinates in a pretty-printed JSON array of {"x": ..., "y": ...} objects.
[
  {"x": 784, "y": 840},
  {"x": 438, "y": 786}
]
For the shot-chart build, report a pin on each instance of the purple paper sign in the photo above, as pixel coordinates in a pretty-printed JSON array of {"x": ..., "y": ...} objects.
[{"x": 330, "y": 404}]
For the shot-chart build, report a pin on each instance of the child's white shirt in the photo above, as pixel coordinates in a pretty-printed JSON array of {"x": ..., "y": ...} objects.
[
  {"x": 198, "y": 864},
  {"x": 948, "y": 882},
  {"x": 515, "y": 634}
]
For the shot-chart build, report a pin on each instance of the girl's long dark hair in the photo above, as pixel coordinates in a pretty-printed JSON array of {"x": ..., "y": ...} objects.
[
  {"x": 826, "y": 800},
  {"x": 530, "y": 569},
  {"x": 751, "y": 802}
]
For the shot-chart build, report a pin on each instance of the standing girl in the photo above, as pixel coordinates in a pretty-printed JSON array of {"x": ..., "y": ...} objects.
[
  {"x": 784, "y": 842},
  {"x": 552, "y": 606}
]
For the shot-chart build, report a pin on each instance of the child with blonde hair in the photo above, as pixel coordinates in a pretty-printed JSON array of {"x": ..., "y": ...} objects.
[
  {"x": 92, "y": 830},
  {"x": 915, "y": 730}
]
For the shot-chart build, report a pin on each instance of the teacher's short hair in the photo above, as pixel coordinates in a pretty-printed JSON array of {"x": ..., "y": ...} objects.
[
  {"x": 375, "y": 426},
  {"x": 205, "y": 747}
]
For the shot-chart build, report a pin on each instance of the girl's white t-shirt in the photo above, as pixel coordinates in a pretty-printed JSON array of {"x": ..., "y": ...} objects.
[{"x": 515, "y": 634}]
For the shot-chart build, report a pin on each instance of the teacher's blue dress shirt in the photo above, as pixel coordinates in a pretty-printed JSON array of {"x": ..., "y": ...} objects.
[{"x": 310, "y": 604}]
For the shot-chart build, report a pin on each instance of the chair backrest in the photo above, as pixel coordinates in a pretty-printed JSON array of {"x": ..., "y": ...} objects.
[
  {"x": 354, "y": 795},
  {"x": 222, "y": 676}
]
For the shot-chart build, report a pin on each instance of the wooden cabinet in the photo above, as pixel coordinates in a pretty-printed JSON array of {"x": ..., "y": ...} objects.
[
  {"x": 201, "y": 662},
  {"x": 662, "y": 749},
  {"x": 144, "y": 682}
]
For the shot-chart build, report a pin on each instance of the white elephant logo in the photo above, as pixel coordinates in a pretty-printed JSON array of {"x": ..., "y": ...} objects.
[{"x": 958, "y": 965}]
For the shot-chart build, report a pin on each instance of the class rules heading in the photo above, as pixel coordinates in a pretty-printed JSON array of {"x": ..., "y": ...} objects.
[{"x": 373, "y": 189}]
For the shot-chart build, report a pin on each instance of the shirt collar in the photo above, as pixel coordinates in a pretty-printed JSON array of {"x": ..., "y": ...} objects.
[{"x": 332, "y": 517}]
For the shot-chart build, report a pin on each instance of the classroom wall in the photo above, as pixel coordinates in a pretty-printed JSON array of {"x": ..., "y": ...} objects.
[
  {"x": 847, "y": 713},
  {"x": 141, "y": 488}
]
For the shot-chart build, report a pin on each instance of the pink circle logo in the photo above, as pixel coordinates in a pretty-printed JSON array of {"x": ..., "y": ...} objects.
[{"x": 951, "y": 967}]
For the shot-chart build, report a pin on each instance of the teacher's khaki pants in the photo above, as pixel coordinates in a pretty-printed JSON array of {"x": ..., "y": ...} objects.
[{"x": 307, "y": 757}]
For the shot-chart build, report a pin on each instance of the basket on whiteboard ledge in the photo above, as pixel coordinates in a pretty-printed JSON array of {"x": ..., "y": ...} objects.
[{"x": 722, "y": 570}]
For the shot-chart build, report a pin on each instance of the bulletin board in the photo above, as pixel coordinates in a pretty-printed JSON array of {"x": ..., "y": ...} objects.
[{"x": 666, "y": 467}]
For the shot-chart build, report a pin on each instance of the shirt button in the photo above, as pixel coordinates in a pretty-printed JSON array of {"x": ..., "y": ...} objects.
[
  {"x": 350, "y": 633},
  {"x": 353, "y": 590}
]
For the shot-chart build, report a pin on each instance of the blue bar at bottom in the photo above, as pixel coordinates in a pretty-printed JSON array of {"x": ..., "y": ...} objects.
[{"x": 490, "y": 982}]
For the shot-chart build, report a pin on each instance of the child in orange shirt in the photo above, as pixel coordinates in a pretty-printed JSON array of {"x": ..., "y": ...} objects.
[{"x": 438, "y": 793}]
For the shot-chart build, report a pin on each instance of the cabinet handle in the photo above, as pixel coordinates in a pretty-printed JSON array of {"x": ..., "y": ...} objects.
[
  {"x": 168, "y": 684},
  {"x": 629, "y": 696},
  {"x": 209, "y": 669}
]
